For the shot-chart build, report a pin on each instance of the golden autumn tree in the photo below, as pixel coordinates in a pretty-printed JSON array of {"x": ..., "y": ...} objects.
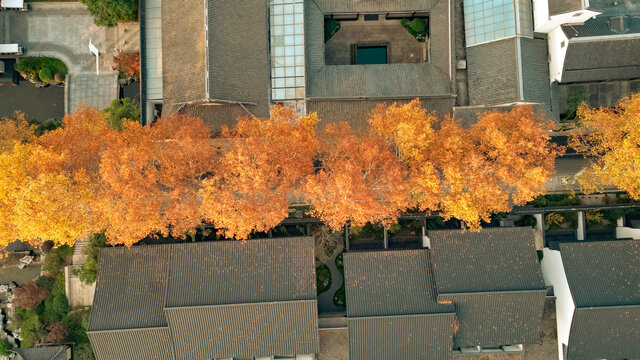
[
  {"x": 13, "y": 176},
  {"x": 13, "y": 130},
  {"x": 611, "y": 137},
  {"x": 360, "y": 180},
  {"x": 266, "y": 161},
  {"x": 503, "y": 160},
  {"x": 52, "y": 201},
  {"x": 150, "y": 178}
]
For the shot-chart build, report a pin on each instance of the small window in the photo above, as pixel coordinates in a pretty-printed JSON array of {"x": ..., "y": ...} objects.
[
  {"x": 371, "y": 17},
  {"x": 563, "y": 44}
]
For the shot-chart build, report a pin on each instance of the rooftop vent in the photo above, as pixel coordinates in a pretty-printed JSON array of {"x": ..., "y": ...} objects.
[{"x": 618, "y": 24}]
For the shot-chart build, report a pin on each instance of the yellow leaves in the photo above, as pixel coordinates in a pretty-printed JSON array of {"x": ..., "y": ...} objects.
[
  {"x": 612, "y": 138},
  {"x": 361, "y": 180},
  {"x": 16, "y": 130}
]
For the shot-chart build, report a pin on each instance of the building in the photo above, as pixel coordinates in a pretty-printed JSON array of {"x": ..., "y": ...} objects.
[
  {"x": 200, "y": 62},
  {"x": 209, "y": 300},
  {"x": 494, "y": 280},
  {"x": 392, "y": 308},
  {"x": 506, "y": 61},
  {"x": 467, "y": 293},
  {"x": 62, "y": 352},
  {"x": 598, "y": 298},
  {"x": 594, "y": 49}
]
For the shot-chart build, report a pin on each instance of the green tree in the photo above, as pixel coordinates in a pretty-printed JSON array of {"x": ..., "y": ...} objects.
[
  {"x": 109, "y": 12},
  {"x": 119, "y": 110},
  {"x": 89, "y": 270}
]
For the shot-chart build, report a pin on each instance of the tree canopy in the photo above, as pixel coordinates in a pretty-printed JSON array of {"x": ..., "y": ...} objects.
[
  {"x": 611, "y": 137},
  {"x": 171, "y": 178},
  {"x": 110, "y": 12}
]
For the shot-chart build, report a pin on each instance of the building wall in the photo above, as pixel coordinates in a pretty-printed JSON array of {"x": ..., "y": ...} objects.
[
  {"x": 557, "y": 53},
  {"x": 554, "y": 275}
]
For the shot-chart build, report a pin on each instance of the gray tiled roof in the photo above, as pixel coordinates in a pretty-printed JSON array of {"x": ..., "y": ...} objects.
[
  {"x": 605, "y": 333},
  {"x": 392, "y": 309},
  {"x": 401, "y": 337},
  {"x": 202, "y": 300},
  {"x": 603, "y": 273},
  {"x": 390, "y": 283},
  {"x": 42, "y": 353},
  {"x": 131, "y": 288},
  {"x": 244, "y": 331},
  {"x": 557, "y": 7},
  {"x": 383, "y": 80},
  {"x": 238, "y": 58},
  {"x": 494, "y": 280},
  {"x": 346, "y": 6},
  {"x": 355, "y": 111},
  {"x": 136, "y": 344},
  {"x": 377, "y": 81},
  {"x": 599, "y": 26},
  {"x": 493, "y": 79},
  {"x": 498, "y": 318},
  {"x": 232, "y": 272},
  {"x": 603, "y": 59},
  {"x": 183, "y": 52},
  {"x": 493, "y": 259},
  {"x": 468, "y": 115}
]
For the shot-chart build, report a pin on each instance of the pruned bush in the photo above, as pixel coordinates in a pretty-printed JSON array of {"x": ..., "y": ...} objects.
[
  {"x": 45, "y": 74},
  {"x": 29, "y": 295},
  {"x": 57, "y": 259},
  {"x": 419, "y": 26},
  {"x": 57, "y": 333},
  {"x": 59, "y": 77}
]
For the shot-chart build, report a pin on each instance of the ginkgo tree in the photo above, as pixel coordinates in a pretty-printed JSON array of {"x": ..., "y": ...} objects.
[
  {"x": 266, "y": 161},
  {"x": 611, "y": 138},
  {"x": 360, "y": 179},
  {"x": 503, "y": 160}
]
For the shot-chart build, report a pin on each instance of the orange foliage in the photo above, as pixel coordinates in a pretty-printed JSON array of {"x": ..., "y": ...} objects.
[
  {"x": 151, "y": 177},
  {"x": 128, "y": 63},
  {"x": 16, "y": 130},
  {"x": 611, "y": 136},
  {"x": 361, "y": 180},
  {"x": 468, "y": 174},
  {"x": 267, "y": 159}
]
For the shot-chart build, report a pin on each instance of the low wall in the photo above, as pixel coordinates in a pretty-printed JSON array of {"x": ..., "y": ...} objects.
[{"x": 78, "y": 294}]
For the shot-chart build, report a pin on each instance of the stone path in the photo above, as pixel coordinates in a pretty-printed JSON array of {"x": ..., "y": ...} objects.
[
  {"x": 325, "y": 299},
  {"x": 63, "y": 30}
]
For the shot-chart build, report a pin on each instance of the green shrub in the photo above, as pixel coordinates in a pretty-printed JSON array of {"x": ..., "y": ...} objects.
[
  {"x": 323, "y": 278},
  {"x": 32, "y": 66},
  {"x": 527, "y": 220},
  {"x": 340, "y": 262},
  {"x": 540, "y": 255},
  {"x": 45, "y": 74},
  {"x": 5, "y": 347},
  {"x": 89, "y": 270},
  {"x": 419, "y": 26},
  {"x": 83, "y": 352},
  {"x": 45, "y": 282},
  {"x": 331, "y": 27},
  {"x": 119, "y": 110},
  {"x": 110, "y": 12},
  {"x": 55, "y": 308},
  {"x": 57, "y": 259},
  {"x": 47, "y": 125},
  {"x": 30, "y": 323}
]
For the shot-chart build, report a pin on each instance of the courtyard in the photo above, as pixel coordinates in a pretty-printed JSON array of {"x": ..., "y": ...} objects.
[{"x": 364, "y": 41}]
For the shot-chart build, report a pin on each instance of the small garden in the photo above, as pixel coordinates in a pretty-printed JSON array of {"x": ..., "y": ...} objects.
[
  {"x": 339, "y": 298},
  {"x": 42, "y": 314},
  {"x": 42, "y": 71},
  {"x": 417, "y": 27},
  {"x": 331, "y": 27}
]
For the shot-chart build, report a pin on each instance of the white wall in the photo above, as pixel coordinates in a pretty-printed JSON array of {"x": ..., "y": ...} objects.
[
  {"x": 554, "y": 275},
  {"x": 574, "y": 17},
  {"x": 540, "y": 14},
  {"x": 557, "y": 53},
  {"x": 623, "y": 232}
]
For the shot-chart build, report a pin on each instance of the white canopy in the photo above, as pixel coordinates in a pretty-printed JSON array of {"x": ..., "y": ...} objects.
[
  {"x": 13, "y": 4},
  {"x": 8, "y": 48}
]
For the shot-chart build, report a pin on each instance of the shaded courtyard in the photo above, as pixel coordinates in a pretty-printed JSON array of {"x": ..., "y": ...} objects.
[{"x": 401, "y": 47}]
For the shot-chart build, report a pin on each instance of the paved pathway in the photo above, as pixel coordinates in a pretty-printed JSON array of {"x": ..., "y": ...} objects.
[
  {"x": 63, "y": 30},
  {"x": 325, "y": 299}
]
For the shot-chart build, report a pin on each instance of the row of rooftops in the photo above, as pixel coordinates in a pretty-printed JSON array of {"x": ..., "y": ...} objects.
[{"x": 226, "y": 299}]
